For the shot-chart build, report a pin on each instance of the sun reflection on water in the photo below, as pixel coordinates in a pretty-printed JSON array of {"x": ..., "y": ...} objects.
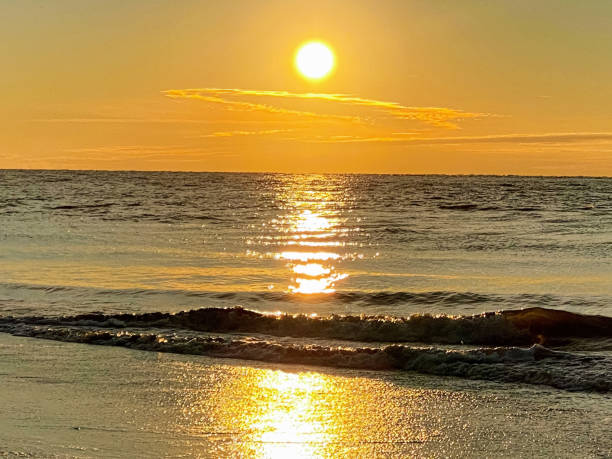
[
  {"x": 245, "y": 411},
  {"x": 313, "y": 223},
  {"x": 311, "y": 269},
  {"x": 311, "y": 232},
  {"x": 289, "y": 425},
  {"x": 305, "y": 226}
]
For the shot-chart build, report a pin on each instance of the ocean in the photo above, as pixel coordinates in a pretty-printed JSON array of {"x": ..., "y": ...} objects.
[{"x": 492, "y": 283}]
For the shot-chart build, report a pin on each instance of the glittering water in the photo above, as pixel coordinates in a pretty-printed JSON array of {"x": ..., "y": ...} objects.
[{"x": 74, "y": 241}]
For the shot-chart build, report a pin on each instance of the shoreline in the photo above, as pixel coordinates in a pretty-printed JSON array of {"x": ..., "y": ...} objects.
[{"x": 81, "y": 401}]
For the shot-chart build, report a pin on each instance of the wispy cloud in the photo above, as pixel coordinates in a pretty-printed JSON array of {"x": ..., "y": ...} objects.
[
  {"x": 237, "y": 105},
  {"x": 247, "y": 133},
  {"x": 357, "y": 139},
  {"x": 125, "y": 120},
  {"x": 141, "y": 152},
  {"x": 548, "y": 138},
  {"x": 436, "y": 116},
  {"x": 562, "y": 137}
]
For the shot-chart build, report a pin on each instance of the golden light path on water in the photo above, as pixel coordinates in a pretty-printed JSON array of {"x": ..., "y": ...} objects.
[
  {"x": 312, "y": 276},
  {"x": 288, "y": 425},
  {"x": 268, "y": 413},
  {"x": 311, "y": 237}
]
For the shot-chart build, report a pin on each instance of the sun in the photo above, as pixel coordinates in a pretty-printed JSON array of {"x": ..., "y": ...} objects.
[{"x": 314, "y": 60}]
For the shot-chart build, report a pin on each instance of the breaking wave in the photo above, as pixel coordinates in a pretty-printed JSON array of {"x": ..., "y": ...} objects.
[
  {"x": 534, "y": 365},
  {"x": 505, "y": 328},
  {"x": 500, "y": 333}
]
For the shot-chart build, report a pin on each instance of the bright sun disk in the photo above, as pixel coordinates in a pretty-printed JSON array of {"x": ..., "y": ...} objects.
[{"x": 314, "y": 60}]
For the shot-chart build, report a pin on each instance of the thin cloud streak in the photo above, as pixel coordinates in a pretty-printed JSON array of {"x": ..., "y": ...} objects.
[
  {"x": 550, "y": 138},
  {"x": 437, "y": 116},
  {"x": 562, "y": 137},
  {"x": 247, "y": 133},
  {"x": 124, "y": 152},
  {"x": 126, "y": 120},
  {"x": 252, "y": 107}
]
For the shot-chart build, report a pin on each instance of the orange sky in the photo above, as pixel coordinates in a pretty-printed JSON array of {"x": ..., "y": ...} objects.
[{"x": 465, "y": 87}]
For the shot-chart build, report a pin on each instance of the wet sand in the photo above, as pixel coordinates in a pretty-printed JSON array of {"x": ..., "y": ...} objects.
[{"x": 75, "y": 400}]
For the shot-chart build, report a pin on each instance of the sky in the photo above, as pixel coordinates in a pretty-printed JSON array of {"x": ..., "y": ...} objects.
[{"x": 450, "y": 87}]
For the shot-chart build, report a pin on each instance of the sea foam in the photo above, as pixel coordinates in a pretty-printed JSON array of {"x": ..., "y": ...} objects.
[{"x": 533, "y": 365}]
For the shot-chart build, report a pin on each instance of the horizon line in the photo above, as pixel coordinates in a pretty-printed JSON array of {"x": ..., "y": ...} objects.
[{"x": 310, "y": 173}]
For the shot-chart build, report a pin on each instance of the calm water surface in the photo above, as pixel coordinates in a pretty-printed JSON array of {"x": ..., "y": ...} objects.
[{"x": 75, "y": 241}]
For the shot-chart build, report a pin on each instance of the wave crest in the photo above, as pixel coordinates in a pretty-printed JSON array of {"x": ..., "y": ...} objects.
[
  {"x": 535, "y": 365},
  {"x": 505, "y": 328}
]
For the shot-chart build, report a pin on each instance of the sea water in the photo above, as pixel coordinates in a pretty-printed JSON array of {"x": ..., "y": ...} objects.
[
  {"x": 79, "y": 241},
  {"x": 499, "y": 283}
]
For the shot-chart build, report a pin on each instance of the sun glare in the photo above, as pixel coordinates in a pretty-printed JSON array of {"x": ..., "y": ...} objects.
[{"x": 314, "y": 60}]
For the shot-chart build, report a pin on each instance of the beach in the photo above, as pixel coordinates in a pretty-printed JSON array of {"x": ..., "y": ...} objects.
[{"x": 72, "y": 400}]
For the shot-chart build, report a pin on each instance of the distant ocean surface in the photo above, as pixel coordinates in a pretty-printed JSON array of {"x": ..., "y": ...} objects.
[{"x": 73, "y": 243}]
